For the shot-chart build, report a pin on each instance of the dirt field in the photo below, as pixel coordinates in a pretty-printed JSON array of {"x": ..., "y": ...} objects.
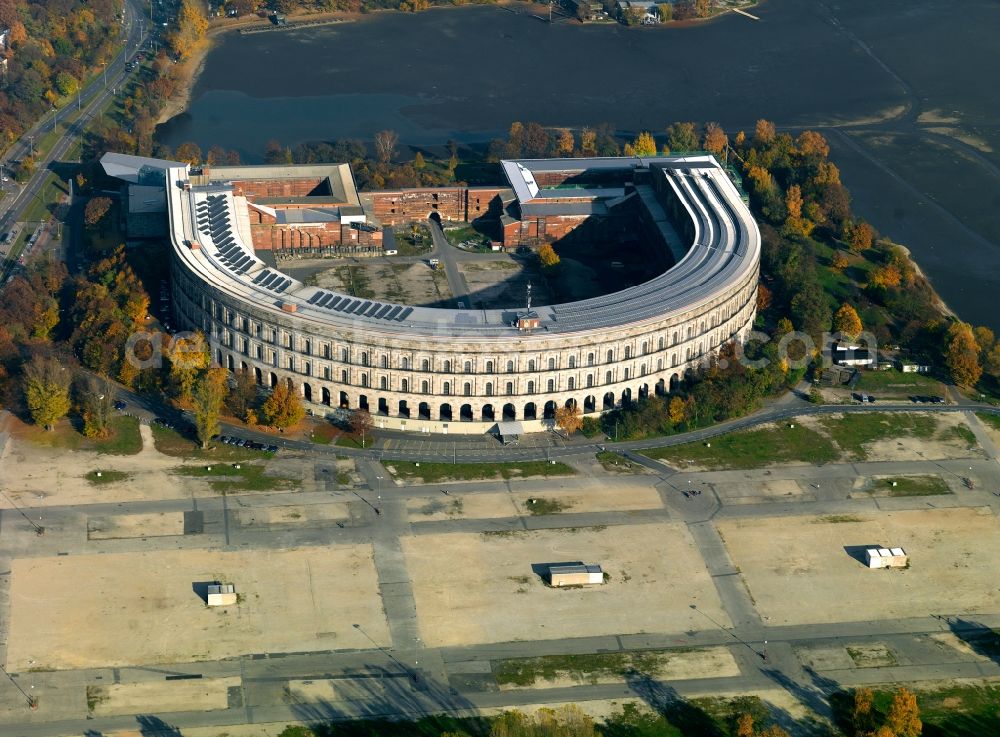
[
  {"x": 504, "y": 283},
  {"x": 408, "y": 283},
  {"x": 787, "y": 560},
  {"x": 488, "y": 506},
  {"x": 204, "y": 694},
  {"x": 294, "y": 514},
  {"x": 141, "y": 608},
  {"x": 157, "y": 524},
  {"x": 475, "y": 588}
]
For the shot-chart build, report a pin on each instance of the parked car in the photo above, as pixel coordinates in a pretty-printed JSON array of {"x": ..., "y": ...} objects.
[{"x": 120, "y": 405}]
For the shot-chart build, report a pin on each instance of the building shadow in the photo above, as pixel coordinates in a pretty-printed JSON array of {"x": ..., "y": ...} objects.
[
  {"x": 150, "y": 726},
  {"x": 200, "y": 589},
  {"x": 858, "y": 552},
  {"x": 374, "y": 698}
]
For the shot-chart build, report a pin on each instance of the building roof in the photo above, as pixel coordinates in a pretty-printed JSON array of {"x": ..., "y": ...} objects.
[
  {"x": 574, "y": 568},
  {"x": 136, "y": 169},
  {"x": 339, "y": 177},
  {"x": 144, "y": 199},
  {"x": 719, "y": 249}
]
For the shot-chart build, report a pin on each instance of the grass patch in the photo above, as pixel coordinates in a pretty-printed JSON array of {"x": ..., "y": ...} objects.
[
  {"x": 323, "y": 434},
  {"x": 413, "y": 240},
  {"x": 837, "y": 519},
  {"x": 123, "y": 440},
  {"x": 248, "y": 477},
  {"x": 752, "y": 449},
  {"x": 615, "y": 463},
  {"x": 852, "y": 432},
  {"x": 467, "y": 234},
  {"x": 961, "y": 433},
  {"x": 911, "y": 486},
  {"x": 539, "y": 506},
  {"x": 432, "y": 473},
  {"x": 990, "y": 419},
  {"x": 897, "y": 384},
  {"x": 451, "y": 508},
  {"x": 958, "y": 710},
  {"x": 350, "y": 441},
  {"x": 586, "y": 667},
  {"x": 172, "y": 443},
  {"x": 97, "y": 478}
]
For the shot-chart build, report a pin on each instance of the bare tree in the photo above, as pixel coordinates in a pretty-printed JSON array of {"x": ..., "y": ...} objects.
[
  {"x": 97, "y": 400},
  {"x": 361, "y": 425},
  {"x": 385, "y": 145}
]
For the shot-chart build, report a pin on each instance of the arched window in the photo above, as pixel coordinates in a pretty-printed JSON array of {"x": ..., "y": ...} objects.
[
  {"x": 611, "y": 356},
  {"x": 590, "y": 359},
  {"x": 404, "y": 385},
  {"x": 425, "y": 388},
  {"x": 572, "y": 362},
  {"x": 607, "y": 378},
  {"x": 660, "y": 345},
  {"x": 489, "y": 367},
  {"x": 364, "y": 358},
  {"x": 571, "y": 383},
  {"x": 467, "y": 389},
  {"x": 447, "y": 367},
  {"x": 383, "y": 383},
  {"x": 590, "y": 380},
  {"x": 531, "y": 387},
  {"x": 552, "y": 385},
  {"x": 628, "y": 352},
  {"x": 468, "y": 367},
  {"x": 425, "y": 365},
  {"x": 345, "y": 355},
  {"x": 510, "y": 367},
  {"x": 446, "y": 390},
  {"x": 552, "y": 364},
  {"x": 384, "y": 361},
  {"x": 673, "y": 340},
  {"x": 364, "y": 380},
  {"x": 343, "y": 377},
  {"x": 406, "y": 363},
  {"x": 489, "y": 388},
  {"x": 531, "y": 364},
  {"x": 307, "y": 347},
  {"x": 645, "y": 348},
  {"x": 510, "y": 388},
  {"x": 626, "y": 373}
]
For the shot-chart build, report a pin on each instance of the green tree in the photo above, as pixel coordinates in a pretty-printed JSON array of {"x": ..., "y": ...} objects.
[
  {"x": 283, "y": 408},
  {"x": 682, "y": 137},
  {"x": 666, "y": 11},
  {"x": 187, "y": 356},
  {"x": 418, "y": 162},
  {"x": 46, "y": 390},
  {"x": 208, "y": 396}
]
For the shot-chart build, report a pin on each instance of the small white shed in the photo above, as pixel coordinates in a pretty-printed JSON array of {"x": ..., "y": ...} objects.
[
  {"x": 221, "y": 594},
  {"x": 886, "y": 557},
  {"x": 575, "y": 575}
]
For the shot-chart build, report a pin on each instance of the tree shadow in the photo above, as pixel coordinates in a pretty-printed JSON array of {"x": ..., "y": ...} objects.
[
  {"x": 814, "y": 695},
  {"x": 983, "y": 640},
  {"x": 150, "y": 726},
  {"x": 665, "y": 700},
  {"x": 372, "y": 700}
]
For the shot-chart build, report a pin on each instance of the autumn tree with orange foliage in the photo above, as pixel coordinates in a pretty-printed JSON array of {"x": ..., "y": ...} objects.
[
  {"x": 846, "y": 321},
  {"x": 962, "y": 354},
  {"x": 716, "y": 139},
  {"x": 862, "y": 236}
]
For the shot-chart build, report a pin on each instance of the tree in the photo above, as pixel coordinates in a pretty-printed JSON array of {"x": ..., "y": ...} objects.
[
  {"x": 763, "y": 133},
  {"x": 677, "y": 410},
  {"x": 903, "y": 718},
  {"x": 862, "y": 716},
  {"x": 682, "y": 137},
  {"x": 985, "y": 339},
  {"x": 189, "y": 153},
  {"x": 716, "y": 139},
  {"x": 187, "y": 356},
  {"x": 885, "y": 277},
  {"x": 839, "y": 261},
  {"x": 861, "y": 237},
  {"x": 361, "y": 425},
  {"x": 643, "y": 145},
  {"x": 97, "y": 398},
  {"x": 812, "y": 144},
  {"x": 846, "y": 321},
  {"x": 418, "y": 162},
  {"x": 385, "y": 145},
  {"x": 547, "y": 256},
  {"x": 46, "y": 390},
  {"x": 991, "y": 361},
  {"x": 588, "y": 142},
  {"x": 764, "y": 297},
  {"x": 283, "y": 408},
  {"x": 569, "y": 418},
  {"x": 209, "y": 394},
  {"x": 243, "y": 393},
  {"x": 95, "y": 210},
  {"x": 962, "y": 355},
  {"x": 565, "y": 144},
  {"x": 666, "y": 11}
]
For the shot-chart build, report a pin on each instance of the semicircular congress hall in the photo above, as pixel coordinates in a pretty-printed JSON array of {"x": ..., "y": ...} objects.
[{"x": 463, "y": 370}]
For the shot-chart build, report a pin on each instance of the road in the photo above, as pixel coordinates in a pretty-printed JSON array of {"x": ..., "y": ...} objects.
[{"x": 92, "y": 98}]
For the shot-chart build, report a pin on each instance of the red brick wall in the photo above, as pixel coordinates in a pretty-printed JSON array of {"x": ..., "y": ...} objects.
[{"x": 275, "y": 187}]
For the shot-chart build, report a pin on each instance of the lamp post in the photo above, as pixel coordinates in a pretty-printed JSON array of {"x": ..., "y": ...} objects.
[{"x": 32, "y": 701}]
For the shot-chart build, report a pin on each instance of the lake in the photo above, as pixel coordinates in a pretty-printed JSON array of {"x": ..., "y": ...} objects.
[{"x": 902, "y": 90}]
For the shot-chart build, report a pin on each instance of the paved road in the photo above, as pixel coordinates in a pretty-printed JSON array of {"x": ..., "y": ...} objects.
[{"x": 92, "y": 98}]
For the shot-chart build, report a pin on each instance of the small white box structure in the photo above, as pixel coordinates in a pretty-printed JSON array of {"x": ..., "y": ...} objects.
[
  {"x": 575, "y": 575},
  {"x": 887, "y": 558},
  {"x": 222, "y": 595}
]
